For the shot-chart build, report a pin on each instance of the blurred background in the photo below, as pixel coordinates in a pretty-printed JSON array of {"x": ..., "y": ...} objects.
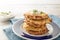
[{"x": 18, "y": 7}]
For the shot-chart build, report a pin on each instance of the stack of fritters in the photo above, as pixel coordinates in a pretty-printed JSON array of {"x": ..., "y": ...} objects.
[{"x": 36, "y": 23}]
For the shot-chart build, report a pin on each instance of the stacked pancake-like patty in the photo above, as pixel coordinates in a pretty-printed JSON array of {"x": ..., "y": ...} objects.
[
  {"x": 35, "y": 30},
  {"x": 36, "y": 23}
]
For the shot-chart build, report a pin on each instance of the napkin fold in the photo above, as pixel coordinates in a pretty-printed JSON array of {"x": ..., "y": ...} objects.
[
  {"x": 9, "y": 33},
  {"x": 11, "y": 36}
]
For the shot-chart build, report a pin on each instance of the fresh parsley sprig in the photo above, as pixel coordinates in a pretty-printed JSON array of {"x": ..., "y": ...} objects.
[{"x": 35, "y": 11}]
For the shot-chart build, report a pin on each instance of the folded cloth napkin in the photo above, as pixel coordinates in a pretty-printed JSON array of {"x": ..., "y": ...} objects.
[
  {"x": 11, "y": 36},
  {"x": 9, "y": 33}
]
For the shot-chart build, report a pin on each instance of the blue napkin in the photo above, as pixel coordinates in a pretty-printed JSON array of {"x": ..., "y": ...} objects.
[
  {"x": 57, "y": 21},
  {"x": 9, "y": 33},
  {"x": 11, "y": 36}
]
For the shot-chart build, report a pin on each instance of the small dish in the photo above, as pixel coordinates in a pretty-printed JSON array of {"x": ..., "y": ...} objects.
[{"x": 4, "y": 16}]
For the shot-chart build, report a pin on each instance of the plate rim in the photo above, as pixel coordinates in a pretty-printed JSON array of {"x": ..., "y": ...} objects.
[{"x": 28, "y": 38}]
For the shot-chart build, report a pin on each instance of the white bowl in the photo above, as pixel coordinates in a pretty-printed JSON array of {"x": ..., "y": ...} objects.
[{"x": 4, "y": 18}]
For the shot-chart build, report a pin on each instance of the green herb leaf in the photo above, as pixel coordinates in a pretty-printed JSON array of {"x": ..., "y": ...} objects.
[
  {"x": 35, "y": 11},
  {"x": 41, "y": 12}
]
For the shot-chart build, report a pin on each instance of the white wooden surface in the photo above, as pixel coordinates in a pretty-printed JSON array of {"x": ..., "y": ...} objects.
[{"x": 18, "y": 7}]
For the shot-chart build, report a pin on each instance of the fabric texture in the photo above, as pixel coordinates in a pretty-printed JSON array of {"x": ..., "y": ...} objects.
[{"x": 11, "y": 36}]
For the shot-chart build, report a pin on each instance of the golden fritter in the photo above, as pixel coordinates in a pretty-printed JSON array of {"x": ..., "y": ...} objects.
[
  {"x": 35, "y": 16},
  {"x": 35, "y": 30},
  {"x": 35, "y": 23}
]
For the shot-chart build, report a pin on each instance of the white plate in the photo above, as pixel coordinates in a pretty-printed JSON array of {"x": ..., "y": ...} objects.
[{"x": 54, "y": 29}]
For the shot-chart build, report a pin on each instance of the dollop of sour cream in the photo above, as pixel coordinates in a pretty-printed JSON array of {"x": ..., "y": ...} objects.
[{"x": 6, "y": 16}]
